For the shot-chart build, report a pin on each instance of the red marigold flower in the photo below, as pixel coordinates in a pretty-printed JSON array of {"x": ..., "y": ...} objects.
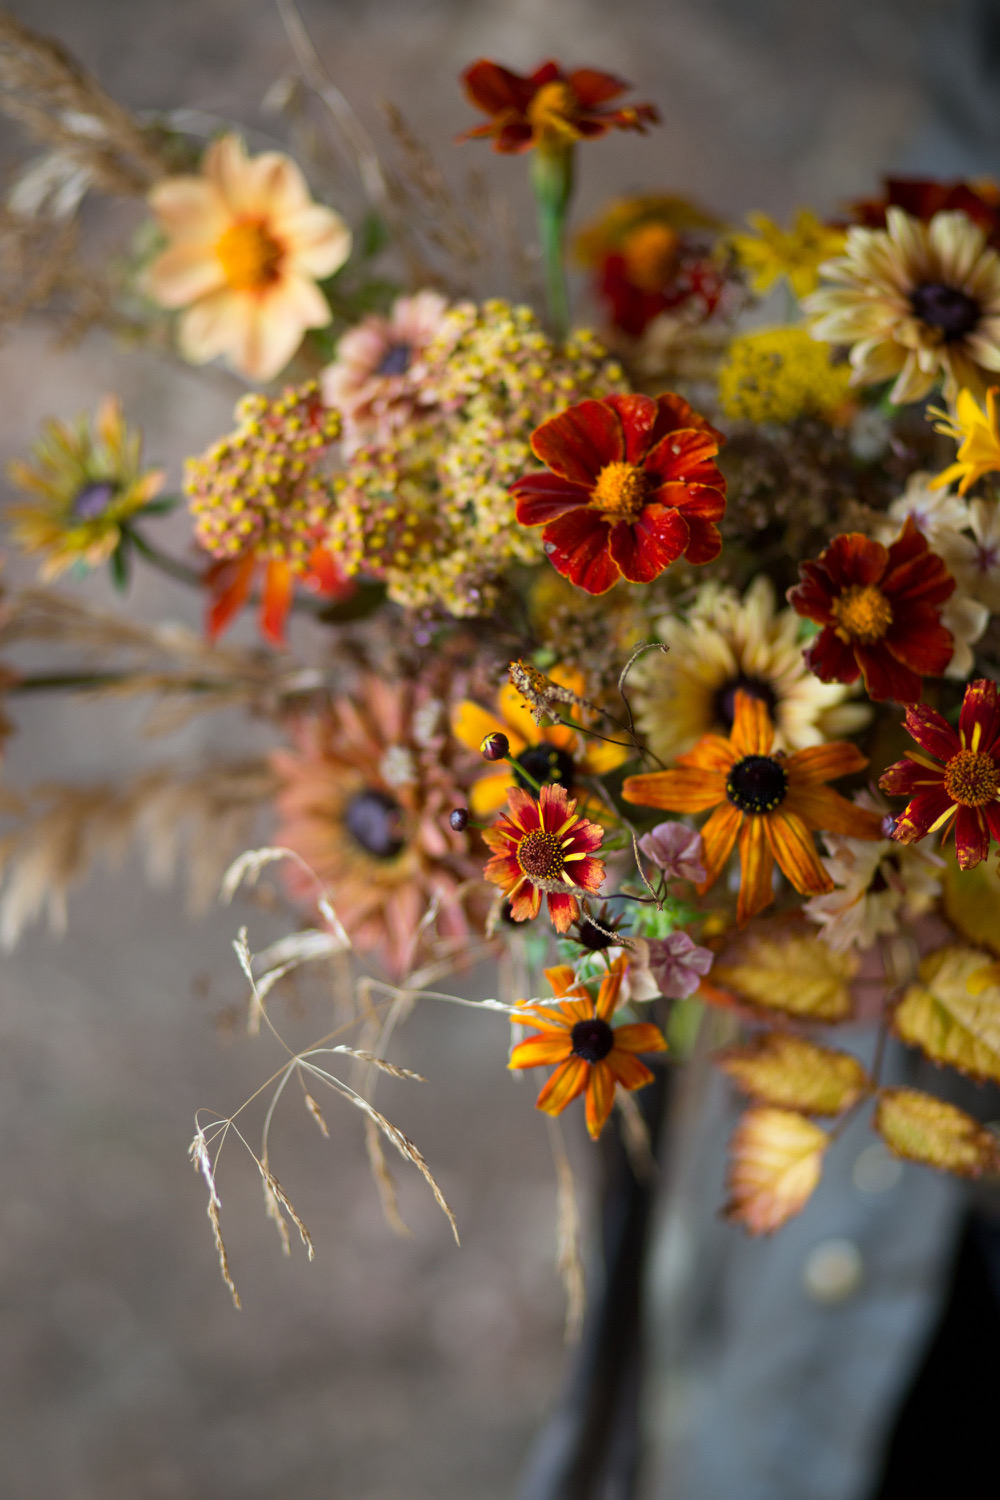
[
  {"x": 630, "y": 488},
  {"x": 592, "y": 1054},
  {"x": 965, "y": 785},
  {"x": 548, "y": 107},
  {"x": 543, "y": 846},
  {"x": 880, "y": 608}
]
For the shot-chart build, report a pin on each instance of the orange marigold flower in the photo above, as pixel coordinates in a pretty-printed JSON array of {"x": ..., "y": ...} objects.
[
  {"x": 880, "y": 608},
  {"x": 592, "y": 1054},
  {"x": 630, "y": 487},
  {"x": 548, "y": 108},
  {"x": 247, "y": 248},
  {"x": 964, "y": 786},
  {"x": 543, "y": 846},
  {"x": 771, "y": 801}
]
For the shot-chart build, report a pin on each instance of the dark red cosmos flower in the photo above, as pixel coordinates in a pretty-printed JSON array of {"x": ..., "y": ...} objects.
[
  {"x": 630, "y": 487},
  {"x": 967, "y": 783},
  {"x": 880, "y": 608},
  {"x": 922, "y": 198},
  {"x": 548, "y": 107}
]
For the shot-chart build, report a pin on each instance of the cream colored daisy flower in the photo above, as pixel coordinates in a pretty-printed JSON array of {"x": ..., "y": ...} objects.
[
  {"x": 726, "y": 644},
  {"x": 247, "y": 247},
  {"x": 916, "y": 303}
]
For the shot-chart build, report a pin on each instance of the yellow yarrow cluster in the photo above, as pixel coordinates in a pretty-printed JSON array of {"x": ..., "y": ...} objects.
[
  {"x": 430, "y": 513},
  {"x": 259, "y": 489},
  {"x": 778, "y": 374}
]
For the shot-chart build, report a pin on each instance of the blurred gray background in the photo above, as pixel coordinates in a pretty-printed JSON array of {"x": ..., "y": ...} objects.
[{"x": 387, "y": 1370}]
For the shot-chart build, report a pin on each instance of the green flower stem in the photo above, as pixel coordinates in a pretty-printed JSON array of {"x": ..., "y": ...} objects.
[
  {"x": 552, "y": 181},
  {"x": 526, "y": 775}
]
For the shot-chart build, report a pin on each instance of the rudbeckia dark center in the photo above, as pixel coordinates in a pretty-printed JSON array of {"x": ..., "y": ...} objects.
[
  {"x": 755, "y": 687},
  {"x": 374, "y": 820},
  {"x": 540, "y": 854},
  {"x": 757, "y": 784},
  {"x": 945, "y": 307},
  {"x": 395, "y": 360},
  {"x": 545, "y": 763},
  {"x": 592, "y": 1040},
  {"x": 972, "y": 779},
  {"x": 92, "y": 500}
]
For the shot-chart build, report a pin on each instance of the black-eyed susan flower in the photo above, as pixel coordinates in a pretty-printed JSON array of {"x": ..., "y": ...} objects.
[
  {"x": 592, "y": 1056},
  {"x": 548, "y": 753},
  {"x": 769, "y": 801},
  {"x": 86, "y": 480},
  {"x": 541, "y": 846}
]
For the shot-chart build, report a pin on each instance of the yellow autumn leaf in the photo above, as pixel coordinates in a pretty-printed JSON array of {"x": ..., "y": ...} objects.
[
  {"x": 787, "y": 1071},
  {"x": 795, "y": 973},
  {"x": 972, "y": 901},
  {"x": 776, "y": 1158},
  {"x": 951, "y": 1015},
  {"x": 921, "y": 1128}
]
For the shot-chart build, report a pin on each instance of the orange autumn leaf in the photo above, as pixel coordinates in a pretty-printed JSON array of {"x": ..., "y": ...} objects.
[
  {"x": 792, "y": 1073},
  {"x": 776, "y": 1159},
  {"x": 921, "y": 1128},
  {"x": 972, "y": 900},
  {"x": 794, "y": 973},
  {"x": 951, "y": 1015}
]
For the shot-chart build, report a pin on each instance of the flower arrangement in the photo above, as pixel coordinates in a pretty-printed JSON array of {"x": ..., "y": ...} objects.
[{"x": 658, "y": 658}]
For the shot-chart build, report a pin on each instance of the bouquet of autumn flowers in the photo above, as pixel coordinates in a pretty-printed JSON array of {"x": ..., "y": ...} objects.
[{"x": 661, "y": 658}]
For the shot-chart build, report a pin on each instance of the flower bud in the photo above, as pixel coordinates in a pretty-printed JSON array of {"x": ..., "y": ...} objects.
[
  {"x": 459, "y": 818},
  {"x": 495, "y": 747}
]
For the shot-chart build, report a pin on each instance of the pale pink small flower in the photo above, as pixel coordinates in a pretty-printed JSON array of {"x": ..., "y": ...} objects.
[
  {"x": 379, "y": 378},
  {"x": 678, "y": 964},
  {"x": 677, "y": 851}
]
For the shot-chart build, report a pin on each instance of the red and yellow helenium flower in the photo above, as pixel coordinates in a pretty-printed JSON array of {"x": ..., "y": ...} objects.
[
  {"x": 548, "y": 108},
  {"x": 630, "y": 488},
  {"x": 880, "y": 608},
  {"x": 592, "y": 1054},
  {"x": 543, "y": 846},
  {"x": 770, "y": 801},
  {"x": 966, "y": 785}
]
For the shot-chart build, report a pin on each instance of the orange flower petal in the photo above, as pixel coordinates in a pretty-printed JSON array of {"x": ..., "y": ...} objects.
[
  {"x": 537, "y": 1050},
  {"x": 753, "y": 733},
  {"x": 712, "y": 753},
  {"x": 756, "y": 869},
  {"x": 600, "y": 1097},
  {"x": 718, "y": 837},
  {"x": 566, "y": 1083},
  {"x": 825, "y": 762},
  {"x": 470, "y": 725},
  {"x": 628, "y": 1070},
  {"x": 685, "y": 789},
  {"x": 822, "y": 808},
  {"x": 796, "y": 853},
  {"x": 489, "y": 793},
  {"x": 642, "y": 1037},
  {"x": 607, "y": 997},
  {"x": 562, "y": 979},
  {"x": 517, "y": 715},
  {"x": 276, "y": 600}
]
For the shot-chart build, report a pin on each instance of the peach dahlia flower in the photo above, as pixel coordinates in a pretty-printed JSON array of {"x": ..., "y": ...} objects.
[{"x": 247, "y": 245}]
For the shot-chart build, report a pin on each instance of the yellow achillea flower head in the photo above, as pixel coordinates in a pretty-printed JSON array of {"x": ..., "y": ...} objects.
[
  {"x": 778, "y": 374},
  {"x": 796, "y": 253},
  {"x": 977, "y": 431},
  {"x": 86, "y": 480}
]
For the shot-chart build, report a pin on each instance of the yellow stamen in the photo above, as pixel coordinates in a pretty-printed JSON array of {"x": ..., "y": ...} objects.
[
  {"x": 552, "y": 111},
  {"x": 862, "y": 613},
  {"x": 250, "y": 257},
  {"x": 650, "y": 253},
  {"x": 971, "y": 779},
  {"x": 620, "y": 490}
]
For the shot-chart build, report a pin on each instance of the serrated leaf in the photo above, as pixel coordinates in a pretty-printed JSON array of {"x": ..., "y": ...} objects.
[
  {"x": 946, "y": 1019},
  {"x": 776, "y": 1160},
  {"x": 921, "y": 1128},
  {"x": 796, "y": 974},
  {"x": 787, "y": 1071},
  {"x": 972, "y": 901}
]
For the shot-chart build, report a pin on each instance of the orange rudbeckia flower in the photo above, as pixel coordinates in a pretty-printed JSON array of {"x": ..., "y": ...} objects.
[
  {"x": 592, "y": 1054},
  {"x": 771, "y": 802},
  {"x": 548, "y": 753}
]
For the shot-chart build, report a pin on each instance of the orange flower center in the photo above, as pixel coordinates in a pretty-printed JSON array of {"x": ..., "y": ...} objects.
[
  {"x": 552, "y": 112},
  {"x": 620, "y": 490},
  {"x": 540, "y": 855},
  {"x": 862, "y": 613},
  {"x": 971, "y": 779},
  {"x": 650, "y": 254},
  {"x": 250, "y": 257}
]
